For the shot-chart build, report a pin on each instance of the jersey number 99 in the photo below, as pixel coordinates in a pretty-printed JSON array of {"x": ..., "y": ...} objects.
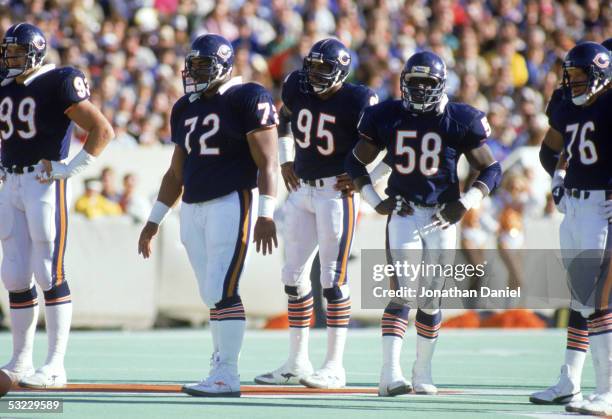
[{"x": 25, "y": 114}]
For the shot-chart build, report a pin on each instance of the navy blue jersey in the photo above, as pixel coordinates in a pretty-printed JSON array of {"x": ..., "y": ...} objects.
[
  {"x": 33, "y": 121},
  {"x": 213, "y": 132},
  {"x": 586, "y": 131},
  {"x": 423, "y": 149},
  {"x": 324, "y": 130}
]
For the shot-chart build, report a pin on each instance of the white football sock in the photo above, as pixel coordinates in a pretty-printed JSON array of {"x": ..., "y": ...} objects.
[
  {"x": 601, "y": 352},
  {"x": 231, "y": 334},
  {"x": 298, "y": 345},
  {"x": 575, "y": 361},
  {"x": 392, "y": 349},
  {"x": 23, "y": 328},
  {"x": 336, "y": 340},
  {"x": 58, "y": 319}
]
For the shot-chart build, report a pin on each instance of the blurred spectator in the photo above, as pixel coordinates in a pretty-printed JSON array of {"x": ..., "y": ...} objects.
[
  {"x": 93, "y": 204},
  {"x": 133, "y": 204},
  {"x": 109, "y": 188}
]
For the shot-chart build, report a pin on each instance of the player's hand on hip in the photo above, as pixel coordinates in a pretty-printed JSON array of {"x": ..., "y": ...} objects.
[
  {"x": 2, "y": 175},
  {"x": 558, "y": 191},
  {"x": 605, "y": 209},
  {"x": 292, "y": 182},
  {"x": 265, "y": 235},
  {"x": 394, "y": 205},
  {"x": 52, "y": 170},
  {"x": 146, "y": 237},
  {"x": 448, "y": 214},
  {"x": 344, "y": 183}
]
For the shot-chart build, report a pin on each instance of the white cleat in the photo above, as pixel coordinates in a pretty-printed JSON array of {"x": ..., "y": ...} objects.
[
  {"x": 392, "y": 383},
  {"x": 422, "y": 382},
  {"x": 17, "y": 374},
  {"x": 564, "y": 392},
  {"x": 327, "y": 377},
  {"x": 600, "y": 405},
  {"x": 45, "y": 378},
  {"x": 222, "y": 383},
  {"x": 286, "y": 374}
]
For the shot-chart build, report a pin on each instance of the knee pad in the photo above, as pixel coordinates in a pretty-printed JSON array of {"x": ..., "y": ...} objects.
[
  {"x": 14, "y": 277},
  {"x": 58, "y": 294},
  {"x": 336, "y": 293},
  {"x": 297, "y": 292},
  {"x": 430, "y": 311},
  {"x": 23, "y": 299}
]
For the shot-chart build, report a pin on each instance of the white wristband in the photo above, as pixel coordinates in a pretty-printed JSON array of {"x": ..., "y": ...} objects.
[
  {"x": 558, "y": 178},
  {"x": 379, "y": 172},
  {"x": 472, "y": 198},
  {"x": 285, "y": 150},
  {"x": 267, "y": 204},
  {"x": 370, "y": 195},
  {"x": 159, "y": 212},
  {"x": 80, "y": 162}
]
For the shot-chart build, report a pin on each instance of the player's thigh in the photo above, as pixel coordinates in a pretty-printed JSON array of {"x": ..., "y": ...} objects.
[
  {"x": 300, "y": 237},
  {"x": 228, "y": 235},
  {"x": 192, "y": 237},
  {"x": 336, "y": 217},
  {"x": 15, "y": 270},
  {"x": 46, "y": 208}
]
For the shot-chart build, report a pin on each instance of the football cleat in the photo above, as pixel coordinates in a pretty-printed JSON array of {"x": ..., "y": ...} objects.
[
  {"x": 17, "y": 375},
  {"x": 422, "y": 382},
  {"x": 392, "y": 383},
  {"x": 563, "y": 392},
  {"x": 326, "y": 378},
  {"x": 600, "y": 405},
  {"x": 286, "y": 375},
  {"x": 222, "y": 383},
  {"x": 45, "y": 378}
]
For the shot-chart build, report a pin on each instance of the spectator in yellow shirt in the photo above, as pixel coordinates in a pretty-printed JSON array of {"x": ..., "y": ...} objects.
[{"x": 93, "y": 205}]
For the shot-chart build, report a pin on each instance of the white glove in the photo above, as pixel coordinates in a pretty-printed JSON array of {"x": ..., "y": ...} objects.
[
  {"x": 2, "y": 174},
  {"x": 605, "y": 209},
  {"x": 558, "y": 191}
]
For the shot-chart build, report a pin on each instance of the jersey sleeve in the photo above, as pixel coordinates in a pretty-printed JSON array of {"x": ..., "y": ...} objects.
[
  {"x": 74, "y": 88},
  {"x": 367, "y": 128},
  {"x": 258, "y": 110},
  {"x": 289, "y": 90},
  {"x": 553, "y": 110},
  {"x": 477, "y": 133},
  {"x": 174, "y": 117}
]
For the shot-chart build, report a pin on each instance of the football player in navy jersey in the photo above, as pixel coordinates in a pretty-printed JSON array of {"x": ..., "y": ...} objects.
[
  {"x": 580, "y": 128},
  {"x": 424, "y": 136},
  {"x": 39, "y": 105},
  {"x": 225, "y": 145},
  {"x": 319, "y": 114}
]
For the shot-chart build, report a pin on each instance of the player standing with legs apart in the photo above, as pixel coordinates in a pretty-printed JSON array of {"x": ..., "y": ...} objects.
[
  {"x": 582, "y": 186},
  {"x": 424, "y": 136},
  {"x": 322, "y": 111},
  {"x": 38, "y": 106},
  {"x": 567, "y": 388},
  {"x": 226, "y": 144}
]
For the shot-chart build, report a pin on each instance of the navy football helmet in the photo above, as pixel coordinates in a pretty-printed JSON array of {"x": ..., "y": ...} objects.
[
  {"x": 608, "y": 44},
  {"x": 34, "y": 48},
  {"x": 327, "y": 64},
  {"x": 423, "y": 81},
  {"x": 210, "y": 60},
  {"x": 594, "y": 59}
]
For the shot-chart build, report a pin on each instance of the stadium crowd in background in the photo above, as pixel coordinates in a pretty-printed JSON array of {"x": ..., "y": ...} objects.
[{"x": 504, "y": 57}]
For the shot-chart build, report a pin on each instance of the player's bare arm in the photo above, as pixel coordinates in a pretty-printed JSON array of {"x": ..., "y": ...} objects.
[
  {"x": 170, "y": 192},
  {"x": 99, "y": 134},
  {"x": 285, "y": 150},
  {"x": 489, "y": 174},
  {"x": 263, "y": 146},
  {"x": 364, "y": 153}
]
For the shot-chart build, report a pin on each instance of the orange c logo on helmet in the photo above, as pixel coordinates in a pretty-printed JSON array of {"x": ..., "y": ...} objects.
[
  {"x": 224, "y": 52},
  {"x": 602, "y": 60},
  {"x": 344, "y": 58}
]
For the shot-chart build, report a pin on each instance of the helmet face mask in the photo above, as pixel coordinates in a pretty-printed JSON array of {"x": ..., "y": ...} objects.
[
  {"x": 587, "y": 71},
  {"x": 423, "y": 82},
  {"x": 208, "y": 64},
  {"x": 326, "y": 66},
  {"x": 23, "y": 48}
]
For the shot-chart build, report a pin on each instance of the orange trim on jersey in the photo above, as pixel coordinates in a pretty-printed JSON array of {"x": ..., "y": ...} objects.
[
  {"x": 349, "y": 239},
  {"x": 607, "y": 288},
  {"x": 62, "y": 233},
  {"x": 244, "y": 238}
]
